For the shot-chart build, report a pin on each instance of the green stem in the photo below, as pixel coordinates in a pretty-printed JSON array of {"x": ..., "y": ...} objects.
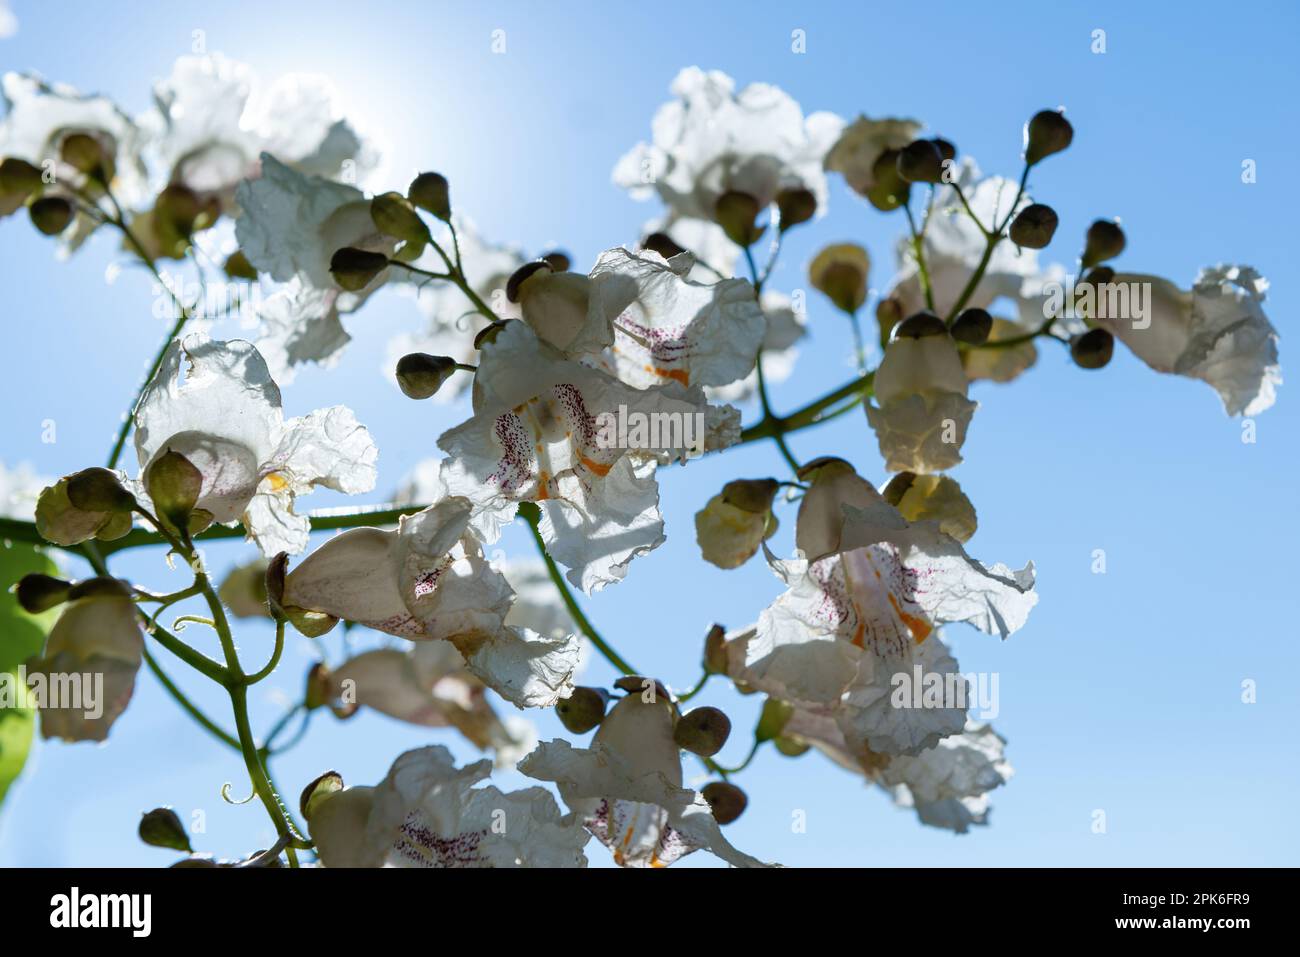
[
  {"x": 275, "y": 655},
  {"x": 533, "y": 516},
  {"x": 918, "y": 253},
  {"x": 992, "y": 238}
]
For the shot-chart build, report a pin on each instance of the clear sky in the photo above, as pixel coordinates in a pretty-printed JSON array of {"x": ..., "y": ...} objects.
[{"x": 1122, "y": 694}]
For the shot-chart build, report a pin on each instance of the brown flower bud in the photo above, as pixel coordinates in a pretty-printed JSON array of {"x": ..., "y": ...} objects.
[
  {"x": 972, "y": 327},
  {"x": 725, "y": 800},
  {"x": 1092, "y": 349},
  {"x": 421, "y": 375},
  {"x": 99, "y": 490},
  {"x": 50, "y": 214},
  {"x": 582, "y": 710},
  {"x": 920, "y": 162},
  {"x": 1046, "y": 133},
  {"x": 702, "y": 731},
  {"x": 162, "y": 828},
  {"x": 1105, "y": 241},
  {"x": 353, "y": 268},
  {"x": 431, "y": 192},
  {"x": 1034, "y": 226},
  {"x": 795, "y": 206},
  {"x": 736, "y": 213}
]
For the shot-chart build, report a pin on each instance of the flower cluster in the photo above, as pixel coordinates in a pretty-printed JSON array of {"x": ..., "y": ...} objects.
[{"x": 586, "y": 389}]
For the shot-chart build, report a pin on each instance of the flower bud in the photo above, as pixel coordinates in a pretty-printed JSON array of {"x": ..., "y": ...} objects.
[
  {"x": 640, "y": 685},
  {"x": 582, "y": 710},
  {"x": 558, "y": 260},
  {"x": 972, "y": 327},
  {"x": 734, "y": 523},
  {"x": 773, "y": 718},
  {"x": 1092, "y": 349},
  {"x": 18, "y": 179},
  {"x": 431, "y": 193},
  {"x": 702, "y": 731},
  {"x": 37, "y": 593},
  {"x": 1105, "y": 241},
  {"x": 179, "y": 213},
  {"x": 488, "y": 334},
  {"x": 840, "y": 272},
  {"x": 946, "y": 149},
  {"x": 394, "y": 216},
  {"x": 319, "y": 689},
  {"x": 521, "y": 275},
  {"x": 1046, "y": 133},
  {"x": 888, "y": 190},
  {"x": 736, "y": 213},
  {"x": 238, "y": 267},
  {"x": 421, "y": 375},
  {"x": 795, "y": 206},
  {"x": 790, "y": 747},
  {"x": 318, "y": 791},
  {"x": 353, "y": 268},
  {"x": 1033, "y": 226},
  {"x": 920, "y": 162},
  {"x": 663, "y": 244},
  {"x": 50, "y": 214},
  {"x": 98, "y": 490},
  {"x": 751, "y": 495},
  {"x": 725, "y": 800},
  {"x": 174, "y": 484},
  {"x": 715, "y": 651},
  {"x": 919, "y": 325},
  {"x": 85, "y": 154},
  {"x": 162, "y": 828},
  {"x": 889, "y": 313}
]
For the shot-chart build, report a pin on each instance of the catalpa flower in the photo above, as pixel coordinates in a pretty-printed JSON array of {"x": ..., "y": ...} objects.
[
  {"x": 668, "y": 328},
  {"x": 921, "y": 413},
  {"x": 85, "y": 676},
  {"x": 863, "y": 606},
  {"x": 627, "y": 788},
  {"x": 712, "y": 140},
  {"x": 785, "y": 327},
  {"x": 39, "y": 120},
  {"x": 428, "y": 580},
  {"x": 216, "y": 404},
  {"x": 954, "y": 247},
  {"x": 427, "y": 813},
  {"x": 1216, "y": 332},
  {"x": 453, "y": 320},
  {"x": 550, "y": 431},
  {"x": 429, "y": 685},
  {"x": 862, "y": 143}
]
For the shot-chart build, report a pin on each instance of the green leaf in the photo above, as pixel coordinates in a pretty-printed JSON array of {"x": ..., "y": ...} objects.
[{"x": 21, "y": 636}]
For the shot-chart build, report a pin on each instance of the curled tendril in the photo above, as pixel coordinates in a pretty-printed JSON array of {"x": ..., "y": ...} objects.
[
  {"x": 462, "y": 323},
  {"x": 225, "y": 794},
  {"x": 179, "y": 624}
]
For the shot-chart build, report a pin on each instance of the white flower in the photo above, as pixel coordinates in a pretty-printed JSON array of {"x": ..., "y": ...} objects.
[
  {"x": 537, "y": 435},
  {"x": 40, "y": 116},
  {"x": 670, "y": 328},
  {"x": 921, "y": 412},
  {"x": 537, "y": 604},
  {"x": 19, "y": 489},
  {"x": 627, "y": 788},
  {"x": 954, "y": 246},
  {"x": 715, "y": 255},
  {"x": 211, "y": 120},
  {"x": 711, "y": 140},
  {"x": 428, "y": 580},
  {"x": 427, "y": 813},
  {"x": 453, "y": 320},
  {"x": 300, "y": 323},
  {"x": 427, "y": 685},
  {"x": 862, "y": 143},
  {"x": 1216, "y": 332},
  {"x": 97, "y": 640},
  {"x": 864, "y": 605},
  {"x": 216, "y": 404},
  {"x": 785, "y": 327}
]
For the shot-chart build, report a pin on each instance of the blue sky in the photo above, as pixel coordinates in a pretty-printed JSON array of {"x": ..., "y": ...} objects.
[{"x": 1122, "y": 693}]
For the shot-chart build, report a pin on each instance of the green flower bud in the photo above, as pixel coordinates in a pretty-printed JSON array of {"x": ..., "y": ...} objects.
[
  {"x": 920, "y": 162},
  {"x": 702, "y": 731},
  {"x": 751, "y": 495},
  {"x": 174, "y": 485},
  {"x": 919, "y": 325},
  {"x": 840, "y": 271},
  {"x": 558, "y": 261},
  {"x": 772, "y": 719},
  {"x": 18, "y": 179},
  {"x": 790, "y": 747},
  {"x": 972, "y": 327},
  {"x": 736, "y": 213},
  {"x": 238, "y": 267},
  {"x": 319, "y": 790},
  {"x": 162, "y": 828},
  {"x": 37, "y": 593},
  {"x": 662, "y": 244},
  {"x": 795, "y": 206},
  {"x": 50, "y": 214},
  {"x": 421, "y": 375},
  {"x": 318, "y": 687},
  {"x": 98, "y": 490},
  {"x": 1105, "y": 241},
  {"x": 889, "y": 190},
  {"x": 395, "y": 216},
  {"x": 715, "y": 651},
  {"x": 582, "y": 710},
  {"x": 725, "y": 800},
  {"x": 431, "y": 193},
  {"x": 85, "y": 154},
  {"x": 1034, "y": 226},
  {"x": 353, "y": 268},
  {"x": 1046, "y": 133},
  {"x": 1092, "y": 349}
]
